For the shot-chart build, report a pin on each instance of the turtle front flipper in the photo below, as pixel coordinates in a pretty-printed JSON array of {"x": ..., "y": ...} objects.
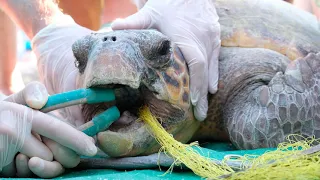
[{"x": 288, "y": 104}]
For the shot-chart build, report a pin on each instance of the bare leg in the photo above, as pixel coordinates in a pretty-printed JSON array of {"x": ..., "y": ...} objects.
[
  {"x": 85, "y": 13},
  {"x": 312, "y": 6},
  {"x": 315, "y": 4},
  {"x": 117, "y": 9},
  {"x": 8, "y": 55},
  {"x": 303, "y": 4}
]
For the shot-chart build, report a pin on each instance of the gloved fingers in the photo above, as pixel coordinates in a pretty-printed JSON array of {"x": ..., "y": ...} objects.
[
  {"x": 32, "y": 147},
  {"x": 201, "y": 109},
  {"x": 63, "y": 134},
  {"x": 15, "y": 126},
  {"x": 34, "y": 95},
  {"x": 50, "y": 127},
  {"x": 36, "y": 135},
  {"x": 65, "y": 156},
  {"x": 45, "y": 169},
  {"x": 140, "y": 20},
  {"x": 214, "y": 70},
  {"x": 9, "y": 170},
  {"x": 22, "y": 167},
  {"x": 198, "y": 69}
]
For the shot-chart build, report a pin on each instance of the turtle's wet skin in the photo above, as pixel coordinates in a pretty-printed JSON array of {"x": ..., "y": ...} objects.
[{"x": 268, "y": 86}]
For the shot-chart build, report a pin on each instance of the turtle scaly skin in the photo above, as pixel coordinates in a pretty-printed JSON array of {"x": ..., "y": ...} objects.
[
  {"x": 268, "y": 24},
  {"x": 263, "y": 97},
  {"x": 260, "y": 103}
]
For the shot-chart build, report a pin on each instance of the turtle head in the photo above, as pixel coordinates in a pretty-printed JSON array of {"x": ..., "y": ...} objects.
[{"x": 145, "y": 69}]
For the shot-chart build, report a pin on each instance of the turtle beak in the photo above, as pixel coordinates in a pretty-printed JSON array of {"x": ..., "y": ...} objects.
[
  {"x": 106, "y": 62},
  {"x": 120, "y": 144},
  {"x": 111, "y": 69}
]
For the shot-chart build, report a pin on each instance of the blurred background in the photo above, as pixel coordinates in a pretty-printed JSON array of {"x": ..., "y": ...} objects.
[
  {"x": 17, "y": 61},
  {"x": 18, "y": 64}
]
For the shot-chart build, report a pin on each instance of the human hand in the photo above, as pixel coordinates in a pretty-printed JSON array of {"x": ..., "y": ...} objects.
[
  {"x": 58, "y": 147},
  {"x": 2, "y": 96},
  {"x": 53, "y": 48},
  {"x": 194, "y": 27}
]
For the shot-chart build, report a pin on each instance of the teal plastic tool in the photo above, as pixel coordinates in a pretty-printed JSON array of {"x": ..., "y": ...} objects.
[
  {"x": 89, "y": 96},
  {"x": 100, "y": 122},
  {"x": 79, "y": 96}
]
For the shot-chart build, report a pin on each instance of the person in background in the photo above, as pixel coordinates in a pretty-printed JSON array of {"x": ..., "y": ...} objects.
[
  {"x": 96, "y": 14},
  {"x": 312, "y": 6},
  {"x": 8, "y": 56},
  {"x": 86, "y": 13},
  {"x": 116, "y": 9},
  {"x": 90, "y": 14}
]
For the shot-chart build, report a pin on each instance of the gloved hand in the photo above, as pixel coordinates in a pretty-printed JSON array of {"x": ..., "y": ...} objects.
[
  {"x": 194, "y": 27},
  {"x": 53, "y": 48},
  {"x": 20, "y": 131},
  {"x": 2, "y": 96}
]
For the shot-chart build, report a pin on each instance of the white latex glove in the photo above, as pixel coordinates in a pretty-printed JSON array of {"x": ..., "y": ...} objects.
[
  {"x": 193, "y": 25},
  {"x": 20, "y": 131},
  {"x": 53, "y": 48},
  {"x": 2, "y": 96}
]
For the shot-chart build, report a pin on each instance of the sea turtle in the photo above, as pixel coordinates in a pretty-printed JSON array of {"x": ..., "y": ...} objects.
[{"x": 268, "y": 86}]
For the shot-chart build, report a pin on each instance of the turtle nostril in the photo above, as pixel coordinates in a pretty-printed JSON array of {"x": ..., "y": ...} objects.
[{"x": 108, "y": 38}]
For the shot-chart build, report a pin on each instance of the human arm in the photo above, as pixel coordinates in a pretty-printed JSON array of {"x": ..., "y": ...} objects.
[{"x": 31, "y": 15}]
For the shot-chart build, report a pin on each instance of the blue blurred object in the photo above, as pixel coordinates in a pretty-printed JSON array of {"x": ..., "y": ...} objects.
[{"x": 28, "y": 46}]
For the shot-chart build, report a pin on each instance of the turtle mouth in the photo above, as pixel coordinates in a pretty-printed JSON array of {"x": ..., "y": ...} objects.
[{"x": 128, "y": 100}]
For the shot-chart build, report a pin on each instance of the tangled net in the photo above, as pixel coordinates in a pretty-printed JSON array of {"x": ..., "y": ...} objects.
[
  {"x": 182, "y": 153},
  {"x": 288, "y": 161}
]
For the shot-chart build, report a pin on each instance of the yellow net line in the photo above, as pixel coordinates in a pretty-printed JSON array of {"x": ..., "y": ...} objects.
[
  {"x": 286, "y": 162},
  {"x": 183, "y": 153}
]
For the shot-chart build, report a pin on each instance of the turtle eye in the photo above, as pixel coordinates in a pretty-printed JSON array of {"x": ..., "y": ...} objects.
[
  {"x": 164, "y": 48},
  {"x": 81, "y": 64},
  {"x": 160, "y": 55}
]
